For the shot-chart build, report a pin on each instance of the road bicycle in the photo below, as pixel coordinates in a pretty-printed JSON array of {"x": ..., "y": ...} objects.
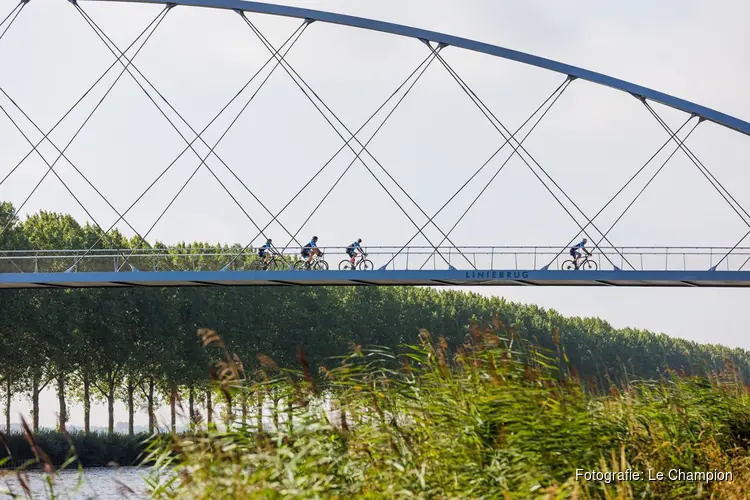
[
  {"x": 586, "y": 264},
  {"x": 316, "y": 264},
  {"x": 362, "y": 264},
  {"x": 276, "y": 262}
]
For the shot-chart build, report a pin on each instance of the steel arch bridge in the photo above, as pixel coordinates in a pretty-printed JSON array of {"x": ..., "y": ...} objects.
[{"x": 101, "y": 264}]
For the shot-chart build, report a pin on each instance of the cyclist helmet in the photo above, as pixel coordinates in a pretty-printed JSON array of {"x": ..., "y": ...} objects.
[
  {"x": 268, "y": 240},
  {"x": 315, "y": 238},
  {"x": 585, "y": 240},
  {"x": 359, "y": 240}
]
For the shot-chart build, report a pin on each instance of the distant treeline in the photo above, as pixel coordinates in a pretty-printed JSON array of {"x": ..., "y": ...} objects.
[{"x": 139, "y": 345}]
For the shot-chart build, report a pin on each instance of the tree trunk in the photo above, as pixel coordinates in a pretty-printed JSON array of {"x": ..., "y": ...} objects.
[
  {"x": 61, "y": 399},
  {"x": 289, "y": 414},
  {"x": 35, "y": 404},
  {"x": 111, "y": 411},
  {"x": 191, "y": 405},
  {"x": 172, "y": 407},
  {"x": 259, "y": 410},
  {"x": 228, "y": 411},
  {"x": 8, "y": 396},
  {"x": 150, "y": 397},
  {"x": 244, "y": 408},
  {"x": 209, "y": 408},
  {"x": 86, "y": 401},
  {"x": 131, "y": 407},
  {"x": 275, "y": 412}
]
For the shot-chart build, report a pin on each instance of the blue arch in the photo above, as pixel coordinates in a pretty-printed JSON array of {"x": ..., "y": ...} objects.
[{"x": 464, "y": 43}]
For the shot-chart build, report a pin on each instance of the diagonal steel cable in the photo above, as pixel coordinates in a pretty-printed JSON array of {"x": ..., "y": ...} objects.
[
  {"x": 732, "y": 250},
  {"x": 50, "y": 169},
  {"x": 105, "y": 39},
  {"x": 715, "y": 183},
  {"x": 746, "y": 260},
  {"x": 651, "y": 179},
  {"x": 343, "y": 146},
  {"x": 62, "y": 152},
  {"x": 612, "y": 198},
  {"x": 492, "y": 156},
  {"x": 203, "y": 160},
  {"x": 354, "y": 160},
  {"x": 490, "y": 116},
  {"x": 103, "y": 36},
  {"x": 17, "y": 10},
  {"x": 493, "y": 119},
  {"x": 81, "y": 98},
  {"x": 291, "y": 71},
  {"x": 221, "y": 111},
  {"x": 557, "y": 94},
  {"x": 704, "y": 170}
]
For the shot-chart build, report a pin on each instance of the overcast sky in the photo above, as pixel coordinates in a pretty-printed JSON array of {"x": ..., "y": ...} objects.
[{"x": 593, "y": 139}]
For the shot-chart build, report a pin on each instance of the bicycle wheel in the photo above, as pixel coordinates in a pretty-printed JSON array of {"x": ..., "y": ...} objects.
[
  {"x": 300, "y": 265},
  {"x": 345, "y": 265},
  {"x": 276, "y": 265},
  {"x": 321, "y": 265},
  {"x": 568, "y": 265},
  {"x": 366, "y": 265},
  {"x": 589, "y": 265},
  {"x": 256, "y": 265}
]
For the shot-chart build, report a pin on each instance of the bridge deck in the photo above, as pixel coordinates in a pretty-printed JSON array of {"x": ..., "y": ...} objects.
[{"x": 378, "y": 278}]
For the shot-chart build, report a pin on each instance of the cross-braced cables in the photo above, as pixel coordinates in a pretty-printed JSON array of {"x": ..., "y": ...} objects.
[
  {"x": 11, "y": 17},
  {"x": 295, "y": 77},
  {"x": 34, "y": 149},
  {"x": 61, "y": 153},
  {"x": 208, "y": 125},
  {"x": 109, "y": 42},
  {"x": 715, "y": 183},
  {"x": 552, "y": 99},
  {"x": 354, "y": 160},
  {"x": 498, "y": 125},
  {"x": 419, "y": 68},
  {"x": 622, "y": 188}
]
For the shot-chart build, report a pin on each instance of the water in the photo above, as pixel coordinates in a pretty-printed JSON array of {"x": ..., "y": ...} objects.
[{"x": 98, "y": 483}]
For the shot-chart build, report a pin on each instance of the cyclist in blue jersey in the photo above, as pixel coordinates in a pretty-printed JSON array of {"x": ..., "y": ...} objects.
[
  {"x": 575, "y": 251},
  {"x": 351, "y": 251},
  {"x": 310, "y": 249},
  {"x": 265, "y": 251}
]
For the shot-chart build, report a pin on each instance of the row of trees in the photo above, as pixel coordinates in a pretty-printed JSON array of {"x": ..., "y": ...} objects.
[{"x": 139, "y": 345}]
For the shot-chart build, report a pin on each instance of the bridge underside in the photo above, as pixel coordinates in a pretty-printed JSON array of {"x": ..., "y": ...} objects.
[{"x": 711, "y": 279}]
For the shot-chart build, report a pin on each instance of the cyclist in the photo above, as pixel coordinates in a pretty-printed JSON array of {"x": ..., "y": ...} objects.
[
  {"x": 575, "y": 251},
  {"x": 310, "y": 249},
  {"x": 351, "y": 251},
  {"x": 265, "y": 251}
]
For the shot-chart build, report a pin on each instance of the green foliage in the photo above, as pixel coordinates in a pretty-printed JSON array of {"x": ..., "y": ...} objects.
[
  {"x": 92, "y": 450},
  {"x": 492, "y": 420},
  {"x": 109, "y": 337}
]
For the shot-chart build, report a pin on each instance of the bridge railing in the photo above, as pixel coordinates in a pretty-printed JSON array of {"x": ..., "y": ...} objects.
[{"x": 417, "y": 257}]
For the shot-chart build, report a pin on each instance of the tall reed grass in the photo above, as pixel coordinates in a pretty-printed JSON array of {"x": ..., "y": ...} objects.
[
  {"x": 495, "y": 418},
  {"x": 498, "y": 418}
]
